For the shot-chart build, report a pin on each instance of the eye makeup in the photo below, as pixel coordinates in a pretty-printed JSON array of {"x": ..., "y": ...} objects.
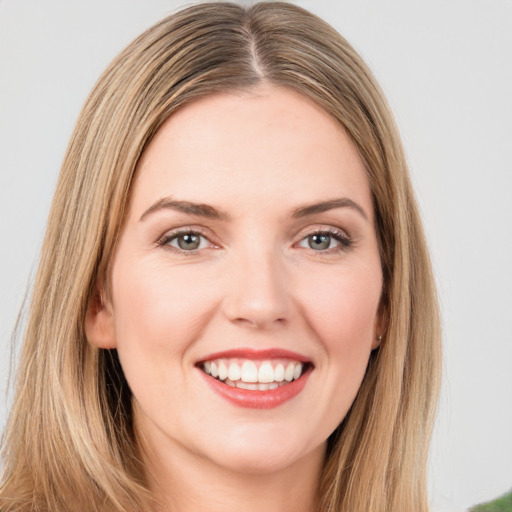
[
  {"x": 327, "y": 240},
  {"x": 322, "y": 240}
]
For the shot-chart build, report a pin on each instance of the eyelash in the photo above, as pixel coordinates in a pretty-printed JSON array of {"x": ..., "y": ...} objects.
[
  {"x": 344, "y": 241},
  {"x": 165, "y": 240}
]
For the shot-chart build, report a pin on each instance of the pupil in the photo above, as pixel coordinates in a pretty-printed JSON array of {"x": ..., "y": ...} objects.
[
  {"x": 188, "y": 242},
  {"x": 319, "y": 241}
]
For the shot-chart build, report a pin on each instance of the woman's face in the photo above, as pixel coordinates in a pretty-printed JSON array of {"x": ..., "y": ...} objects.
[{"x": 250, "y": 250}]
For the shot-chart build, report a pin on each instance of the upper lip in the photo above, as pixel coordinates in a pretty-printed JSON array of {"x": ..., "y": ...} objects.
[{"x": 256, "y": 354}]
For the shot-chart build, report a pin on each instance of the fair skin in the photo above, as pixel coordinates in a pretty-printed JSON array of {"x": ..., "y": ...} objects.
[{"x": 255, "y": 277}]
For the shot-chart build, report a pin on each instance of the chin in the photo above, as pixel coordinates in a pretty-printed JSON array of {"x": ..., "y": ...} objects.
[{"x": 259, "y": 456}]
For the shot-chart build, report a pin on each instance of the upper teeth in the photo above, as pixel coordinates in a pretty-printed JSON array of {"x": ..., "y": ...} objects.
[{"x": 250, "y": 371}]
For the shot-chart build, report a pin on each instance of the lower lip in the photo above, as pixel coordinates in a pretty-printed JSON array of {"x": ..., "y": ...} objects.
[{"x": 254, "y": 399}]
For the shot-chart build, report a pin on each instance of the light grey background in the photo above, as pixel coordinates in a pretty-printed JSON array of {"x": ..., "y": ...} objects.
[{"x": 446, "y": 67}]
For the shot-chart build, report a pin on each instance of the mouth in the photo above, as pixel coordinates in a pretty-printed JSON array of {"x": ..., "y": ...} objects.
[
  {"x": 256, "y": 379},
  {"x": 256, "y": 375}
]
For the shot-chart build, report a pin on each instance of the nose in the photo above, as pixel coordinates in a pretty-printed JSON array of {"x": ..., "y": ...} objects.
[{"x": 257, "y": 292}]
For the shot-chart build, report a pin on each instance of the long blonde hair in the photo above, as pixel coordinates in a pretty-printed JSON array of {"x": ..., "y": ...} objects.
[{"x": 69, "y": 443}]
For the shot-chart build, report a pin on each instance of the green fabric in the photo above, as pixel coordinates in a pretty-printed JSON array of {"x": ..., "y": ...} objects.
[{"x": 502, "y": 504}]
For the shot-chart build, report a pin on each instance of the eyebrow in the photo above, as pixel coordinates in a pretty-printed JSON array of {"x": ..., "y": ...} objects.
[
  {"x": 324, "y": 206},
  {"x": 188, "y": 207},
  {"x": 210, "y": 212}
]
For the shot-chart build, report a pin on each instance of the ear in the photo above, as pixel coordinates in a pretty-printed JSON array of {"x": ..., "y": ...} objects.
[
  {"x": 99, "y": 321},
  {"x": 380, "y": 325}
]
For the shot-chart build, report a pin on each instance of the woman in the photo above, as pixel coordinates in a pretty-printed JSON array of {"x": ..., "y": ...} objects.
[{"x": 234, "y": 306}]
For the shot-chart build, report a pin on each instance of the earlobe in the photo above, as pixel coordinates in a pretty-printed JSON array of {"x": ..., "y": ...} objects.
[
  {"x": 380, "y": 326},
  {"x": 377, "y": 341},
  {"x": 99, "y": 322}
]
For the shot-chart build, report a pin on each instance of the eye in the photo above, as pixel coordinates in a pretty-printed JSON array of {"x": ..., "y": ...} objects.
[
  {"x": 187, "y": 241},
  {"x": 320, "y": 241},
  {"x": 324, "y": 241}
]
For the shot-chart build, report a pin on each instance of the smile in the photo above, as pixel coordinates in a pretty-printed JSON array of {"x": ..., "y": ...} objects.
[
  {"x": 256, "y": 379},
  {"x": 254, "y": 375}
]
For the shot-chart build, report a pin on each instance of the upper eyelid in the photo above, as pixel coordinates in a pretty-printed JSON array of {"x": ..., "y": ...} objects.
[
  {"x": 186, "y": 229},
  {"x": 325, "y": 228},
  {"x": 175, "y": 232}
]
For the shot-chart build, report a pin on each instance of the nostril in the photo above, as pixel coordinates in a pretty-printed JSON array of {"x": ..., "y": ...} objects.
[{"x": 258, "y": 322}]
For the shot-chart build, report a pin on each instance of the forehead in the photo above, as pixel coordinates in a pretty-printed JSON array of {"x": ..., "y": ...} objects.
[{"x": 262, "y": 144}]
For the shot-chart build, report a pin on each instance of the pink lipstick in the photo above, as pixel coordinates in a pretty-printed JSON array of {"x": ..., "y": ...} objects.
[{"x": 258, "y": 379}]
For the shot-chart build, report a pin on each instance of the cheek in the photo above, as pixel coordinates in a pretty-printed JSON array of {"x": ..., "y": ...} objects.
[
  {"x": 343, "y": 310},
  {"x": 159, "y": 312},
  {"x": 343, "y": 315}
]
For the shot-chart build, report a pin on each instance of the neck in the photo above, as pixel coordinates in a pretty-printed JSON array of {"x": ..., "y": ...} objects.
[{"x": 186, "y": 482}]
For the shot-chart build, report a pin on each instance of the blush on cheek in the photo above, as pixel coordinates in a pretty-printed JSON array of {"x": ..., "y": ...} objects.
[
  {"x": 344, "y": 310},
  {"x": 168, "y": 312}
]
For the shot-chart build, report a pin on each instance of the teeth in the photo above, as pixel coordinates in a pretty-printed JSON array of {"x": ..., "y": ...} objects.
[
  {"x": 249, "y": 372},
  {"x": 223, "y": 371},
  {"x": 234, "y": 372},
  {"x": 256, "y": 386},
  {"x": 266, "y": 373},
  {"x": 249, "y": 376},
  {"x": 288, "y": 374},
  {"x": 246, "y": 385},
  {"x": 278, "y": 373}
]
